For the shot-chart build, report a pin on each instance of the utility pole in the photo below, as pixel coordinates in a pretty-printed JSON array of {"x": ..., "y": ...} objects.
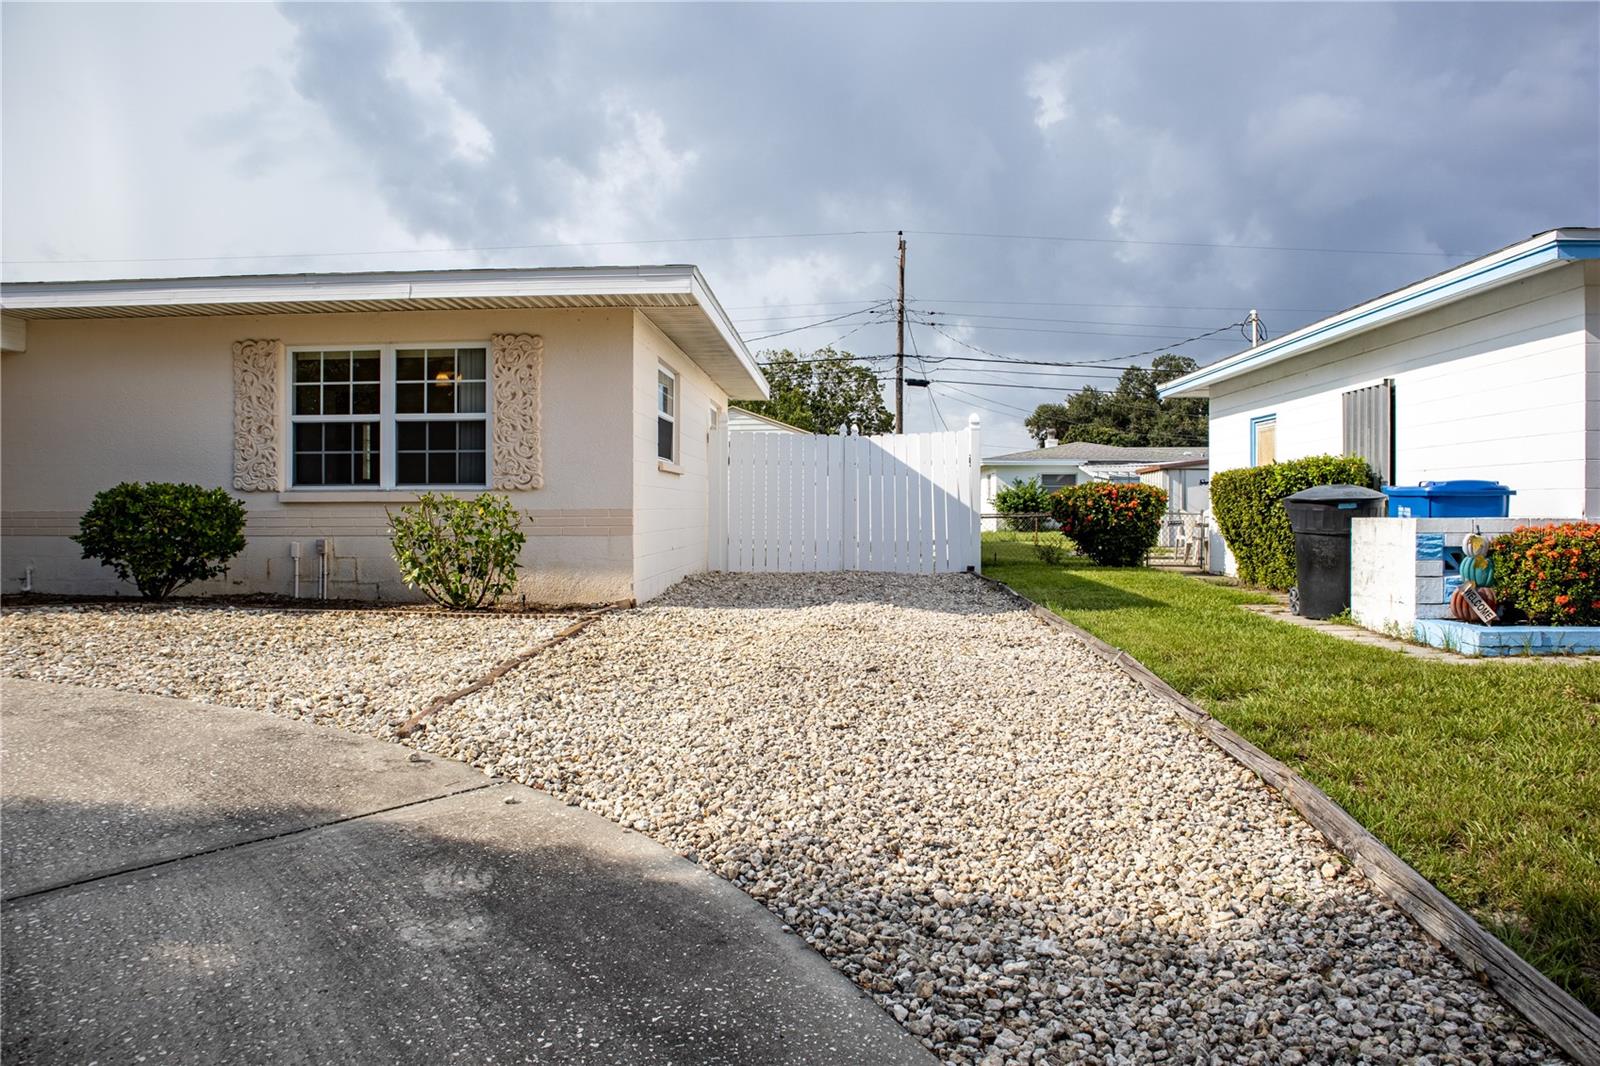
[
  {"x": 900, "y": 345},
  {"x": 1255, "y": 328}
]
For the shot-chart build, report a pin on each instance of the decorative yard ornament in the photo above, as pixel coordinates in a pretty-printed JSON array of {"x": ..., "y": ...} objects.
[{"x": 1475, "y": 600}]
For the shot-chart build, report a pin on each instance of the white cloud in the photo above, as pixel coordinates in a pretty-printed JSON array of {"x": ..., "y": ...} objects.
[
  {"x": 1047, "y": 88},
  {"x": 425, "y": 74}
]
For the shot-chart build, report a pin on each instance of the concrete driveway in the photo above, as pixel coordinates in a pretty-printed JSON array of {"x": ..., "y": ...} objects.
[{"x": 195, "y": 884}]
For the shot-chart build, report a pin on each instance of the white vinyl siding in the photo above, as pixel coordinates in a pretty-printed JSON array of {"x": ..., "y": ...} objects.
[{"x": 1496, "y": 386}]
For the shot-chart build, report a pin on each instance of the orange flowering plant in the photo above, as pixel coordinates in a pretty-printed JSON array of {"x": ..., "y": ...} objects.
[
  {"x": 1550, "y": 573},
  {"x": 1115, "y": 525}
]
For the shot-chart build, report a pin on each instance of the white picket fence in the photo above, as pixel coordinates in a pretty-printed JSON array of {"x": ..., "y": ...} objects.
[{"x": 906, "y": 503}]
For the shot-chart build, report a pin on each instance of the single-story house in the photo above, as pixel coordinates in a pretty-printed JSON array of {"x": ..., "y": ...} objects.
[
  {"x": 586, "y": 395},
  {"x": 1075, "y": 463},
  {"x": 1185, "y": 481},
  {"x": 742, "y": 421},
  {"x": 1489, "y": 370}
]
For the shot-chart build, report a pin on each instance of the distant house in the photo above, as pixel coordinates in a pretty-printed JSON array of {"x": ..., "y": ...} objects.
[
  {"x": 742, "y": 421},
  {"x": 1185, "y": 482},
  {"x": 1490, "y": 370},
  {"x": 1059, "y": 465}
]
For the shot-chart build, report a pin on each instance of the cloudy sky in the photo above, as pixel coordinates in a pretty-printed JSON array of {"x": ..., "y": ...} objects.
[{"x": 1077, "y": 182}]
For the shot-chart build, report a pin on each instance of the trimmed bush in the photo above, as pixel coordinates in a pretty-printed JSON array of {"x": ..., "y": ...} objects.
[
  {"x": 1115, "y": 525},
  {"x": 462, "y": 553},
  {"x": 1022, "y": 497},
  {"x": 1248, "y": 503},
  {"x": 1550, "y": 573},
  {"x": 162, "y": 536}
]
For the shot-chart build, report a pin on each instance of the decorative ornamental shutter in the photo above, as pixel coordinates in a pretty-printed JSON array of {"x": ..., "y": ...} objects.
[
  {"x": 1369, "y": 427},
  {"x": 257, "y": 432},
  {"x": 517, "y": 360}
]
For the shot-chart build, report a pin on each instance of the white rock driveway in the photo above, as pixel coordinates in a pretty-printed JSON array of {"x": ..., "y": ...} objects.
[
  {"x": 1021, "y": 853},
  {"x": 358, "y": 669}
]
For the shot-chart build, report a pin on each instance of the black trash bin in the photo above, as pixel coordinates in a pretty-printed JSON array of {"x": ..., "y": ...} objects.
[{"x": 1320, "y": 517}]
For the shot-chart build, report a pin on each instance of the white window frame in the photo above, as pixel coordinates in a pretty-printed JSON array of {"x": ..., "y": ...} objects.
[
  {"x": 388, "y": 417},
  {"x": 670, "y": 416}
]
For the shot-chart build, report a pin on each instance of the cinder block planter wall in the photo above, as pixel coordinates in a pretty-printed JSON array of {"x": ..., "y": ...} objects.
[{"x": 1404, "y": 570}]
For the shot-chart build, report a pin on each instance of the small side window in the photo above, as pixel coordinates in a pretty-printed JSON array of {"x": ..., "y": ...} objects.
[
  {"x": 1263, "y": 440},
  {"x": 666, "y": 415}
]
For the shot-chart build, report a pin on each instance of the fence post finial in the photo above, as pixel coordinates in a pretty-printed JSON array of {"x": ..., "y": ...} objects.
[{"x": 972, "y": 420}]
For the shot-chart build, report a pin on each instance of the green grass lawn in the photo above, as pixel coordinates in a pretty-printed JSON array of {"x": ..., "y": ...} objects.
[{"x": 1486, "y": 778}]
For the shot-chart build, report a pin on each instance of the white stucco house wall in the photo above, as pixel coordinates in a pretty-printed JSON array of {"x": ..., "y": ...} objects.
[
  {"x": 586, "y": 395},
  {"x": 1074, "y": 463},
  {"x": 1490, "y": 370}
]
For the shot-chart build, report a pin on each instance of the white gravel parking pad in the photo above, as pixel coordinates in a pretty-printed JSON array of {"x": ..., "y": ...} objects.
[
  {"x": 1019, "y": 851},
  {"x": 359, "y": 669}
]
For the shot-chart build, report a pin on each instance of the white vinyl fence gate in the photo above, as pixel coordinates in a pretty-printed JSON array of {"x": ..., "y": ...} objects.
[{"x": 906, "y": 503}]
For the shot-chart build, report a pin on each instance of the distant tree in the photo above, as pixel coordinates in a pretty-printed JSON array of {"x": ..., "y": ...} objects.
[
  {"x": 820, "y": 391},
  {"x": 1130, "y": 414}
]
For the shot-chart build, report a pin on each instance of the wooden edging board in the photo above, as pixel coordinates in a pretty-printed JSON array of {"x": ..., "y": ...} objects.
[
  {"x": 505, "y": 666},
  {"x": 1561, "y": 1018}
]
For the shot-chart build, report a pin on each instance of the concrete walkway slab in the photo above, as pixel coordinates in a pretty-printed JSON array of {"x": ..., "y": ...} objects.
[
  {"x": 168, "y": 778},
  {"x": 457, "y": 927}
]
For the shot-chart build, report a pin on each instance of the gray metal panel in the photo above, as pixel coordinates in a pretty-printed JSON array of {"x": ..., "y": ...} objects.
[{"x": 1369, "y": 427}]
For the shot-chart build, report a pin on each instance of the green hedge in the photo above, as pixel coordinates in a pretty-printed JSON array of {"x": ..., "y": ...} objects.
[
  {"x": 1250, "y": 515},
  {"x": 1023, "y": 497}
]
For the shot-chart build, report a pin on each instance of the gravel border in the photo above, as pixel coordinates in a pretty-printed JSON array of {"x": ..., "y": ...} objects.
[{"x": 1016, "y": 849}]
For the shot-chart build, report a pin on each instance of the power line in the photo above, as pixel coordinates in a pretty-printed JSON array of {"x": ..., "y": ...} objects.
[
  {"x": 982, "y": 402},
  {"x": 468, "y": 248},
  {"x": 1009, "y": 360},
  {"x": 1135, "y": 355},
  {"x": 1067, "y": 321},
  {"x": 743, "y": 237},
  {"x": 932, "y": 400},
  {"x": 810, "y": 325},
  {"x": 1186, "y": 244},
  {"x": 791, "y": 318},
  {"x": 1070, "y": 332},
  {"x": 1003, "y": 385},
  {"x": 1143, "y": 307}
]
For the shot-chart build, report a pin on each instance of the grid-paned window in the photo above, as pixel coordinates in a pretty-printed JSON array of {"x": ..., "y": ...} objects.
[
  {"x": 666, "y": 415},
  {"x": 440, "y": 400},
  {"x": 383, "y": 417},
  {"x": 337, "y": 438}
]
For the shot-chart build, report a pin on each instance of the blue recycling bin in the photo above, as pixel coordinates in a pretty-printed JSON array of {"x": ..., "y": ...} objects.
[{"x": 1449, "y": 499}]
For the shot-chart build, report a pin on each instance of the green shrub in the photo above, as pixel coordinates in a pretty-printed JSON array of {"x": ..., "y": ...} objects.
[
  {"x": 162, "y": 536},
  {"x": 1049, "y": 552},
  {"x": 1115, "y": 525},
  {"x": 1022, "y": 498},
  {"x": 1248, "y": 503},
  {"x": 459, "y": 552},
  {"x": 1550, "y": 573}
]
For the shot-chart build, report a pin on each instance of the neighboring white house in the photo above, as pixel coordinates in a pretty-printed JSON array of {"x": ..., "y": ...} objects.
[
  {"x": 1059, "y": 465},
  {"x": 742, "y": 421},
  {"x": 1185, "y": 481},
  {"x": 588, "y": 395},
  {"x": 1489, "y": 370}
]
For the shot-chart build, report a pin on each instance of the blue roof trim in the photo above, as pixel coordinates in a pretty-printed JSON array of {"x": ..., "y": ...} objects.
[{"x": 1556, "y": 250}]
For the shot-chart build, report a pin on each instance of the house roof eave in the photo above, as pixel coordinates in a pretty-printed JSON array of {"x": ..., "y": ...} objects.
[
  {"x": 1540, "y": 252},
  {"x": 674, "y": 297}
]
